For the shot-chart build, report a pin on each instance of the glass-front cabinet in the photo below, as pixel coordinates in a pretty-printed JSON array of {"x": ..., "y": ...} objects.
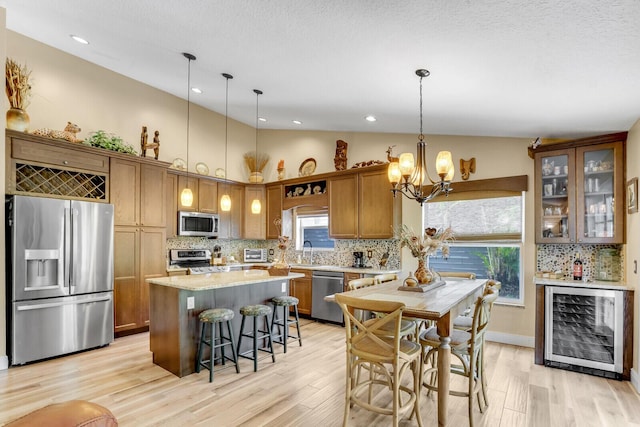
[{"x": 580, "y": 194}]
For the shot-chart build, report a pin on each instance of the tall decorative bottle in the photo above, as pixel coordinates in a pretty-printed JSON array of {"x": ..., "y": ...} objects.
[{"x": 577, "y": 268}]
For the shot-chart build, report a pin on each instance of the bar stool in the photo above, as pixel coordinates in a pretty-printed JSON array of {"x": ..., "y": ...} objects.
[
  {"x": 283, "y": 334},
  {"x": 255, "y": 311},
  {"x": 213, "y": 317}
]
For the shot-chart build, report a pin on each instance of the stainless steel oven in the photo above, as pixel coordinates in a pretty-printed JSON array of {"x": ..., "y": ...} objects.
[{"x": 584, "y": 330}]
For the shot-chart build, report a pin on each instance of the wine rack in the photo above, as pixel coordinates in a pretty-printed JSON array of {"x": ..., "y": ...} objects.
[{"x": 59, "y": 182}]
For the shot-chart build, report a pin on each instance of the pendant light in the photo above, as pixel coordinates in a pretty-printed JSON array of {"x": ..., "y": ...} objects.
[
  {"x": 225, "y": 200},
  {"x": 256, "y": 205},
  {"x": 186, "y": 197},
  {"x": 409, "y": 179}
]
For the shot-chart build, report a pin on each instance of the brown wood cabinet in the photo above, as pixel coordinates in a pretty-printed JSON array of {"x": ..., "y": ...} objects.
[
  {"x": 360, "y": 206},
  {"x": 579, "y": 191},
  {"x": 172, "y": 205},
  {"x": 301, "y": 289},
  {"x": 139, "y": 255},
  {"x": 44, "y": 166},
  {"x": 207, "y": 196},
  {"x": 231, "y": 223},
  {"x": 255, "y": 226},
  {"x": 138, "y": 193},
  {"x": 274, "y": 209},
  {"x": 193, "y": 185}
]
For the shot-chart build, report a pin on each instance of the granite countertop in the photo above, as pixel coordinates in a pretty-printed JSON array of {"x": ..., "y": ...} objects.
[
  {"x": 202, "y": 282},
  {"x": 319, "y": 267},
  {"x": 595, "y": 284}
]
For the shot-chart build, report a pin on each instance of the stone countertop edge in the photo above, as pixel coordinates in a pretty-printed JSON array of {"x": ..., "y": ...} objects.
[
  {"x": 309, "y": 267},
  {"x": 596, "y": 284},
  {"x": 203, "y": 282}
]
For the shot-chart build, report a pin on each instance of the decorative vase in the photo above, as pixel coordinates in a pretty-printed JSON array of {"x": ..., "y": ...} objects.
[
  {"x": 423, "y": 274},
  {"x": 281, "y": 174},
  {"x": 18, "y": 119},
  {"x": 281, "y": 263},
  {"x": 256, "y": 177},
  {"x": 410, "y": 280}
]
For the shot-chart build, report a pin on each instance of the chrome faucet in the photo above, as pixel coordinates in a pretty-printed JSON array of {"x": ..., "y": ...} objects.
[{"x": 304, "y": 244}]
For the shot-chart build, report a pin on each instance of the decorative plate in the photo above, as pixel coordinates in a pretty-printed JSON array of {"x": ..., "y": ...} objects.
[
  {"x": 307, "y": 167},
  {"x": 220, "y": 173},
  {"x": 202, "y": 168},
  {"x": 179, "y": 164}
]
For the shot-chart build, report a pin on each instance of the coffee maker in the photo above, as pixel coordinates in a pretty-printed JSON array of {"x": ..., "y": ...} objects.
[{"x": 358, "y": 258}]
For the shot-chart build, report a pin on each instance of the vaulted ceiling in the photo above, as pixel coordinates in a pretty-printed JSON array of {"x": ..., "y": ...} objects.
[{"x": 521, "y": 68}]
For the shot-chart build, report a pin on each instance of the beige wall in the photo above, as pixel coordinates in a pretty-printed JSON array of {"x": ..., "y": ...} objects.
[{"x": 632, "y": 248}]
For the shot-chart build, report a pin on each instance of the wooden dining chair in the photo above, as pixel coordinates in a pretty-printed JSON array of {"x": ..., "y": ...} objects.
[
  {"x": 387, "y": 277},
  {"x": 390, "y": 355},
  {"x": 407, "y": 328},
  {"x": 464, "y": 321},
  {"x": 467, "y": 347},
  {"x": 457, "y": 274}
]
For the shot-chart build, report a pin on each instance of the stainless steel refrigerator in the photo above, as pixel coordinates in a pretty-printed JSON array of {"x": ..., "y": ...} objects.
[{"x": 59, "y": 276}]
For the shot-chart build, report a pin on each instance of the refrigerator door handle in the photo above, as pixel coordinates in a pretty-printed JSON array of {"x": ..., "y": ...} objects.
[
  {"x": 59, "y": 304},
  {"x": 68, "y": 221}
]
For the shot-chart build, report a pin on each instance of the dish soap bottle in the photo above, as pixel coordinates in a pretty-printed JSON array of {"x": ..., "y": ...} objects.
[{"x": 577, "y": 268}]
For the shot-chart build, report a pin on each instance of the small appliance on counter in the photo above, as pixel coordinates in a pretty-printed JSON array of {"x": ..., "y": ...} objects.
[
  {"x": 255, "y": 255},
  {"x": 358, "y": 260}
]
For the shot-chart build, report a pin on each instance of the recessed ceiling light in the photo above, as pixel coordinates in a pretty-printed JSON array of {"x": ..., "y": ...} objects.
[
  {"x": 262, "y": 119},
  {"x": 196, "y": 90},
  {"x": 79, "y": 39},
  {"x": 296, "y": 122},
  {"x": 370, "y": 118}
]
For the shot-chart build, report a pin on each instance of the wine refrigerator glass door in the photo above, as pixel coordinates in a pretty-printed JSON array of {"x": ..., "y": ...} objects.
[{"x": 583, "y": 327}]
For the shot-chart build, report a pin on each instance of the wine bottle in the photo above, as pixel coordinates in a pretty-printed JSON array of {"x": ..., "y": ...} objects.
[{"x": 577, "y": 268}]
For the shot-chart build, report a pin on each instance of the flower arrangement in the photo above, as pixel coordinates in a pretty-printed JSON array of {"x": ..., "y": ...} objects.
[
  {"x": 424, "y": 245},
  {"x": 17, "y": 86},
  {"x": 427, "y": 244}
]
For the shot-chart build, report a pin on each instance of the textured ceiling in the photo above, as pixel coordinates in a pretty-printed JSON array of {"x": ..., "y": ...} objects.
[{"x": 498, "y": 67}]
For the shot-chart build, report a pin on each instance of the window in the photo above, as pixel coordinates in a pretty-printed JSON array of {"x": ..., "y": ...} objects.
[
  {"x": 488, "y": 239},
  {"x": 313, "y": 227}
]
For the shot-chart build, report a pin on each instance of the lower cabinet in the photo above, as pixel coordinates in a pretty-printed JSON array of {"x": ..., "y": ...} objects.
[
  {"x": 301, "y": 289},
  {"x": 139, "y": 254}
]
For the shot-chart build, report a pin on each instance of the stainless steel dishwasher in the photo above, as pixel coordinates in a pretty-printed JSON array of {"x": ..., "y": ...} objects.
[{"x": 326, "y": 283}]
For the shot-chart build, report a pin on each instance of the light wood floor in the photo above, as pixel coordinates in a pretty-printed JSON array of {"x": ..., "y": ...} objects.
[{"x": 305, "y": 387}]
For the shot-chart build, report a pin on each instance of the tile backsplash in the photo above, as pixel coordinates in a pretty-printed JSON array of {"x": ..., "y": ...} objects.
[
  {"x": 560, "y": 258},
  {"x": 341, "y": 255}
]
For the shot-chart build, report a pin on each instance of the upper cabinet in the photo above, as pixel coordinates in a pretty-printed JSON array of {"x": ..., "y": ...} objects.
[
  {"x": 191, "y": 182},
  {"x": 207, "y": 196},
  {"x": 254, "y": 223},
  {"x": 231, "y": 223},
  {"x": 362, "y": 206},
  {"x": 138, "y": 193},
  {"x": 579, "y": 191},
  {"x": 274, "y": 209}
]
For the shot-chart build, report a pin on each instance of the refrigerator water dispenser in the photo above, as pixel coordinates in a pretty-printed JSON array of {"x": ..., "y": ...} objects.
[{"x": 44, "y": 269}]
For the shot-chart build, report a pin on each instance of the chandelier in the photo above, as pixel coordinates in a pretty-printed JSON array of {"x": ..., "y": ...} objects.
[{"x": 410, "y": 177}]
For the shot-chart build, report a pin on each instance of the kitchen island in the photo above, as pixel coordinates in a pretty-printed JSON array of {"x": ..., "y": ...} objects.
[{"x": 175, "y": 303}]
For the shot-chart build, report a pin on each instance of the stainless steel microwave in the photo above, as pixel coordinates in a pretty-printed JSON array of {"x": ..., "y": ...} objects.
[{"x": 198, "y": 224}]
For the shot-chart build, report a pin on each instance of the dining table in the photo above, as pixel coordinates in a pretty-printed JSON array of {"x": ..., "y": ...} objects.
[{"x": 440, "y": 304}]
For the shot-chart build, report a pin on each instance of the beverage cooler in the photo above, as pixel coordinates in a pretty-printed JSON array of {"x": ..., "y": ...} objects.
[{"x": 584, "y": 330}]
